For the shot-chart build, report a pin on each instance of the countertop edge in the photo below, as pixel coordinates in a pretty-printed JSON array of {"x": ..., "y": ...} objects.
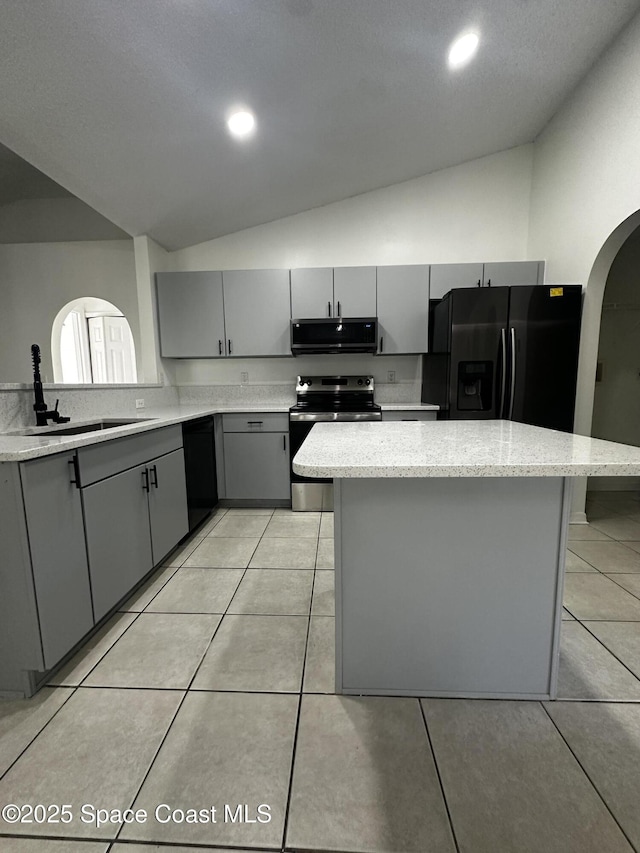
[
  {"x": 464, "y": 448},
  {"x": 431, "y": 471},
  {"x": 24, "y": 449}
]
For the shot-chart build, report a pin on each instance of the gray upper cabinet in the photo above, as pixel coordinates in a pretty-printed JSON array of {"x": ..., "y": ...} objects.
[
  {"x": 257, "y": 307},
  {"x": 403, "y": 309},
  {"x": 248, "y": 312},
  {"x": 354, "y": 292},
  {"x": 446, "y": 277},
  {"x": 58, "y": 557},
  {"x": 191, "y": 314},
  {"x": 513, "y": 273},
  {"x": 312, "y": 293},
  {"x": 167, "y": 503}
]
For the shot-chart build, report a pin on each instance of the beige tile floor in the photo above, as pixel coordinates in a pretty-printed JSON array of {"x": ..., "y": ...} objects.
[{"x": 214, "y": 686}]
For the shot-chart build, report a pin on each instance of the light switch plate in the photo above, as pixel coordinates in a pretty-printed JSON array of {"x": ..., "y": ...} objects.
[
  {"x": 140, "y": 404},
  {"x": 244, "y": 376}
]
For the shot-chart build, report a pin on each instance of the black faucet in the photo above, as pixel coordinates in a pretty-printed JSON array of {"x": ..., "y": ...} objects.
[{"x": 43, "y": 414}]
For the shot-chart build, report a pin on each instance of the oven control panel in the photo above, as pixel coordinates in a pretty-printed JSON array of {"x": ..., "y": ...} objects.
[{"x": 334, "y": 384}]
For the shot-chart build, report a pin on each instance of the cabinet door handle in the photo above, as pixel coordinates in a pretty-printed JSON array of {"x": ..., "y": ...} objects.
[
  {"x": 284, "y": 443},
  {"x": 75, "y": 480},
  {"x": 254, "y": 423},
  {"x": 328, "y": 309},
  {"x": 381, "y": 343},
  {"x": 479, "y": 283},
  {"x": 339, "y": 310},
  {"x": 229, "y": 342},
  {"x": 154, "y": 471},
  {"x": 219, "y": 347},
  {"x": 145, "y": 480},
  {"x": 488, "y": 282}
]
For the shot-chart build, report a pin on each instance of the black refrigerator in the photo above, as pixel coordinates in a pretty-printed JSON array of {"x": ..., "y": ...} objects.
[{"x": 505, "y": 352}]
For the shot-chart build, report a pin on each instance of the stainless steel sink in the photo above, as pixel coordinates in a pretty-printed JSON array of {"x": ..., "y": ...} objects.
[{"x": 104, "y": 423}]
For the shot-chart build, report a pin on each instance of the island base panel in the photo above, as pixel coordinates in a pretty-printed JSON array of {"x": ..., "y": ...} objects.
[{"x": 449, "y": 587}]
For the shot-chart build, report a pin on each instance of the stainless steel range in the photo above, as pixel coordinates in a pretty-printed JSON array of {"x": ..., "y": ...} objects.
[{"x": 323, "y": 399}]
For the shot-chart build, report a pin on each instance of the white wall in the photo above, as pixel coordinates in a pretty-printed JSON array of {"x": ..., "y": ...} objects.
[
  {"x": 586, "y": 193},
  {"x": 150, "y": 258},
  {"x": 37, "y": 279},
  {"x": 53, "y": 220},
  {"x": 478, "y": 211},
  {"x": 586, "y": 182}
]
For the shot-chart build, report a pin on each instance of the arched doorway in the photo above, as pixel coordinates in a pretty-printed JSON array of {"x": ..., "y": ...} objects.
[
  {"x": 91, "y": 342},
  {"x": 616, "y": 408},
  {"x": 591, "y": 323}
]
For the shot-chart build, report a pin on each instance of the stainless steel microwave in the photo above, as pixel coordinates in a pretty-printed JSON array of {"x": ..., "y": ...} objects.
[{"x": 334, "y": 335}]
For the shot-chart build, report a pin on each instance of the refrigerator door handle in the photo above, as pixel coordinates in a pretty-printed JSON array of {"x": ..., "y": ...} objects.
[
  {"x": 513, "y": 373},
  {"x": 503, "y": 381}
]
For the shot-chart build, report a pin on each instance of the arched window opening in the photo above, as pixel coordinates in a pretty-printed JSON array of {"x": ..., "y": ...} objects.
[{"x": 91, "y": 342}]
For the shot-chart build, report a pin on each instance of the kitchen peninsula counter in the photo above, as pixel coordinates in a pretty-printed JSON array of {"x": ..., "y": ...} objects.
[{"x": 450, "y": 541}]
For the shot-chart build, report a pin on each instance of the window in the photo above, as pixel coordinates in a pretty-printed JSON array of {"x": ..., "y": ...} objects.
[{"x": 91, "y": 342}]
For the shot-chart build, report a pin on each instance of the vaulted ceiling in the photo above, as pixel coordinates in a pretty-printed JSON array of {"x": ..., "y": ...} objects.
[{"x": 123, "y": 102}]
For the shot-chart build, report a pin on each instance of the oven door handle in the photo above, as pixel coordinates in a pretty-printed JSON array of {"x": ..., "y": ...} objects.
[{"x": 333, "y": 417}]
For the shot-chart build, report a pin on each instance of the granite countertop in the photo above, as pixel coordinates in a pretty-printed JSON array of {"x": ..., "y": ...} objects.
[
  {"x": 458, "y": 449},
  {"x": 19, "y": 448}
]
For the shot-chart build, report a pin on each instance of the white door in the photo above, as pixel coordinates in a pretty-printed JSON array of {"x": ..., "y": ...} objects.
[{"x": 112, "y": 350}]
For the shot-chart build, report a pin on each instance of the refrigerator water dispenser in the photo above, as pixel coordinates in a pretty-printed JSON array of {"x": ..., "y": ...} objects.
[{"x": 475, "y": 385}]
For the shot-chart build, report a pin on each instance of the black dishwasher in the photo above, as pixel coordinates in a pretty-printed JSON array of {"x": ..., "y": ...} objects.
[{"x": 200, "y": 469}]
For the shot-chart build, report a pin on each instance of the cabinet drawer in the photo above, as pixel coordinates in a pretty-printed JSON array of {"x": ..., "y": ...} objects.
[
  {"x": 256, "y": 422},
  {"x": 409, "y": 415},
  {"x": 110, "y": 457}
]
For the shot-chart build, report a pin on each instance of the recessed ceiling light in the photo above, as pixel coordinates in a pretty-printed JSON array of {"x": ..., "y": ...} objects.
[
  {"x": 463, "y": 49},
  {"x": 241, "y": 124}
]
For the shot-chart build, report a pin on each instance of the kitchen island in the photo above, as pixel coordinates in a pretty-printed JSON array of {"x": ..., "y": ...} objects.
[{"x": 450, "y": 541}]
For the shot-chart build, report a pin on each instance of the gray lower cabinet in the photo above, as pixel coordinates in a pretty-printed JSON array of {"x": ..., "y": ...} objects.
[
  {"x": 78, "y": 530},
  {"x": 167, "y": 503},
  {"x": 133, "y": 519},
  {"x": 403, "y": 309},
  {"x": 55, "y": 533},
  {"x": 135, "y": 509},
  {"x": 256, "y": 466},
  {"x": 256, "y": 457},
  {"x": 118, "y": 537}
]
